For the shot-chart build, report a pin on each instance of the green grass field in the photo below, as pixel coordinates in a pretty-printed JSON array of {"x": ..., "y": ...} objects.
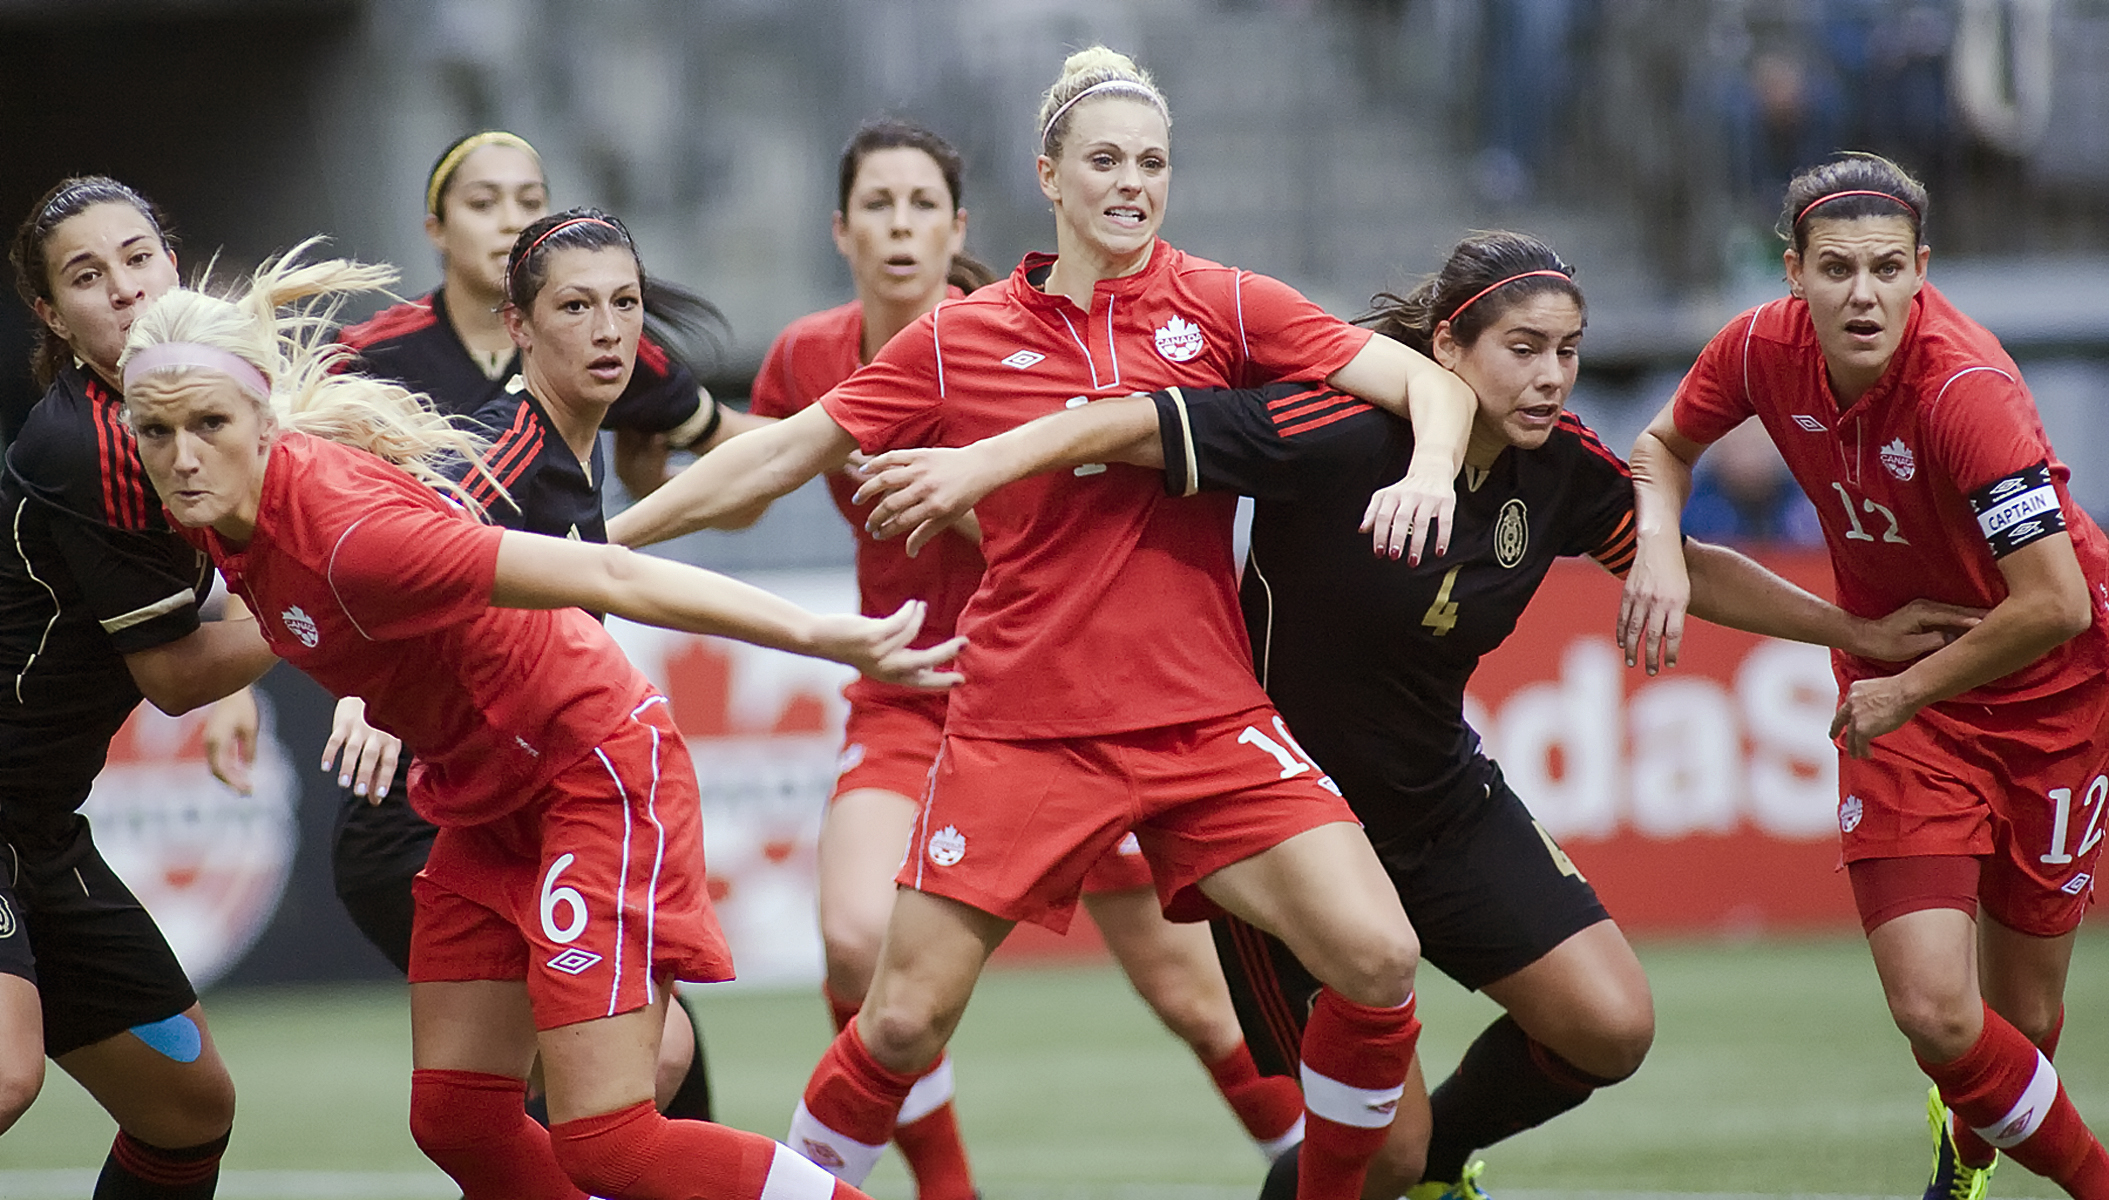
[{"x": 1775, "y": 1071}]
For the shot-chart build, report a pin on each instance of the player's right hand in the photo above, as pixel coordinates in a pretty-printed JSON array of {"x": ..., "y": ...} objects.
[
  {"x": 922, "y": 492},
  {"x": 230, "y": 739},
  {"x": 369, "y": 755},
  {"x": 1411, "y": 515},
  {"x": 1651, "y": 609},
  {"x": 878, "y": 646}
]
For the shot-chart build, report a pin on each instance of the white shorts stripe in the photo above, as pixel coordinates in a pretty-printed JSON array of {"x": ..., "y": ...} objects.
[
  {"x": 793, "y": 1178},
  {"x": 1363, "y": 1108},
  {"x": 622, "y": 881},
  {"x": 2028, "y": 1112},
  {"x": 651, "y": 898}
]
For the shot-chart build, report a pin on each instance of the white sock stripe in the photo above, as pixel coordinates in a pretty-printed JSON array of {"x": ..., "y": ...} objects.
[
  {"x": 792, "y": 1177},
  {"x": 838, "y": 1154},
  {"x": 1274, "y": 1148},
  {"x": 2028, "y": 1112},
  {"x": 930, "y": 1093},
  {"x": 1364, "y": 1108}
]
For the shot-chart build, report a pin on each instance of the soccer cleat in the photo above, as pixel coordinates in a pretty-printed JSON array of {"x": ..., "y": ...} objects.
[
  {"x": 1952, "y": 1178},
  {"x": 1466, "y": 1188}
]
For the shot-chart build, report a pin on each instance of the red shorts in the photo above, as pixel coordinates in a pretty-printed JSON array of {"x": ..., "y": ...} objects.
[
  {"x": 890, "y": 742},
  {"x": 2020, "y": 786},
  {"x": 591, "y": 891},
  {"x": 1013, "y": 827},
  {"x": 1123, "y": 869}
]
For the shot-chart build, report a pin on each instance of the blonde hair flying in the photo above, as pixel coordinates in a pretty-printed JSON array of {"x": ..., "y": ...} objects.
[{"x": 281, "y": 325}]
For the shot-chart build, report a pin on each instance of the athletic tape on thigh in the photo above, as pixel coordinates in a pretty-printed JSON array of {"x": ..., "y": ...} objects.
[{"x": 177, "y": 1038}]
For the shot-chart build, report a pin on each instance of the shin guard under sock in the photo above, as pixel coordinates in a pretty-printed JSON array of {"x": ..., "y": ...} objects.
[
  {"x": 2005, "y": 1088},
  {"x": 1354, "y": 1070},
  {"x": 1973, "y": 1150},
  {"x": 473, "y": 1127},
  {"x": 1506, "y": 1083},
  {"x": 1270, "y": 1107},
  {"x": 849, "y": 1108},
  {"x": 138, "y": 1171},
  {"x": 636, "y": 1154}
]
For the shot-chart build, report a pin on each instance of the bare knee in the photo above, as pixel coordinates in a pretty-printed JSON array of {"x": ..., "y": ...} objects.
[
  {"x": 1376, "y": 970},
  {"x": 1614, "y": 1041},
  {"x": 19, "y": 1084},
  {"x": 201, "y": 1111},
  {"x": 850, "y": 933},
  {"x": 905, "y": 1035},
  {"x": 1941, "y": 1023}
]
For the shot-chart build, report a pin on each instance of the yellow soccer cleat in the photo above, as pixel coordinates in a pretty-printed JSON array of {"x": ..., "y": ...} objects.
[
  {"x": 1466, "y": 1188},
  {"x": 1952, "y": 1179}
]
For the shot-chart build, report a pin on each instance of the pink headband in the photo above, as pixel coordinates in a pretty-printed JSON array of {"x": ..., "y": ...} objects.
[
  {"x": 1481, "y": 294},
  {"x": 191, "y": 354},
  {"x": 1857, "y": 192}
]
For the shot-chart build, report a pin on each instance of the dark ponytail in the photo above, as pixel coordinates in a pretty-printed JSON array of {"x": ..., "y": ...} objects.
[
  {"x": 33, "y": 274},
  {"x": 1486, "y": 274}
]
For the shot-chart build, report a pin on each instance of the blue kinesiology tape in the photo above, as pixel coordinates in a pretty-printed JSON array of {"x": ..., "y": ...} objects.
[{"x": 178, "y": 1037}]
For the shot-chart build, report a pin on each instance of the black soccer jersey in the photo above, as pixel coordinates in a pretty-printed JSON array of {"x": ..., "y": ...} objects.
[
  {"x": 1368, "y": 657},
  {"x": 90, "y": 573},
  {"x": 550, "y": 490},
  {"x": 414, "y": 344}
]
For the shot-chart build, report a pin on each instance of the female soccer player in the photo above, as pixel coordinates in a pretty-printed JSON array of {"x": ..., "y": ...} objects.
[
  {"x": 565, "y": 892},
  {"x": 98, "y": 607},
  {"x": 1974, "y": 776},
  {"x": 901, "y": 226},
  {"x": 1497, "y": 906},
  {"x": 1110, "y": 682}
]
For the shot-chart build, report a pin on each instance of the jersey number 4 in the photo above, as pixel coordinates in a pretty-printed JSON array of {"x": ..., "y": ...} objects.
[
  {"x": 1442, "y": 615},
  {"x": 1858, "y": 532}
]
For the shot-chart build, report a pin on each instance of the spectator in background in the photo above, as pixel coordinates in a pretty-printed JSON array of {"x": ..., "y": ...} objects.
[{"x": 1743, "y": 493}]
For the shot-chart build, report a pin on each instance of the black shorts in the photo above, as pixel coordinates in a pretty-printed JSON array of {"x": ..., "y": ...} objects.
[
  {"x": 99, "y": 962},
  {"x": 378, "y": 850},
  {"x": 1488, "y": 893}
]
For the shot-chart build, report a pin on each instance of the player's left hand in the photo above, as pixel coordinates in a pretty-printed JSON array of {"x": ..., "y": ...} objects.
[
  {"x": 1872, "y": 707},
  {"x": 922, "y": 492},
  {"x": 1411, "y": 515},
  {"x": 878, "y": 646},
  {"x": 369, "y": 755},
  {"x": 1918, "y": 628}
]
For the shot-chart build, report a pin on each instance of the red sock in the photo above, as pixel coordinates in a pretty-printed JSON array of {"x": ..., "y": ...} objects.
[
  {"x": 1269, "y": 1106},
  {"x": 1973, "y": 1150},
  {"x": 1354, "y": 1070},
  {"x": 849, "y": 1108},
  {"x": 927, "y": 1132},
  {"x": 636, "y": 1154},
  {"x": 843, "y": 1011},
  {"x": 473, "y": 1127},
  {"x": 2006, "y": 1090}
]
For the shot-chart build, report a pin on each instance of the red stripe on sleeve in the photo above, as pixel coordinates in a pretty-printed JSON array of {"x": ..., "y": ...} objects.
[
  {"x": 1594, "y": 444},
  {"x": 1340, "y": 414}
]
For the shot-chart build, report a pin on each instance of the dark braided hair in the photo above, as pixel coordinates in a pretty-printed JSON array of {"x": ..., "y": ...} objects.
[{"x": 33, "y": 274}]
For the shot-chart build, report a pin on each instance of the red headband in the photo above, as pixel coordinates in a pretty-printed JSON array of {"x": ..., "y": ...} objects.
[
  {"x": 1857, "y": 192},
  {"x": 551, "y": 232},
  {"x": 1454, "y": 313}
]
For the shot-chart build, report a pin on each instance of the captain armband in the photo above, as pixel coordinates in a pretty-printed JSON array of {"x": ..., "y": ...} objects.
[{"x": 2014, "y": 510}]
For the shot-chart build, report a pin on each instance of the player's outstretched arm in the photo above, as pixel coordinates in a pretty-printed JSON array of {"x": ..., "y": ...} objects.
[
  {"x": 2047, "y": 604},
  {"x": 1416, "y": 511},
  {"x": 1651, "y": 612},
  {"x": 546, "y": 572},
  {"x": 921, "y": 492},
  {"x": 745, "y": 471},
  {"x": 216, "y": 659},
  {"x": 1733, "y": 590}
]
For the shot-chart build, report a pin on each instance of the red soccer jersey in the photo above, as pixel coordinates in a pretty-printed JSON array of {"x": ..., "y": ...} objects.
[
  {"x": 1892, "y": 475},
  {"x": 378, "y": 587},
  {"x": 1107, "y": 606},
  {"x": 812, "y": 355}
]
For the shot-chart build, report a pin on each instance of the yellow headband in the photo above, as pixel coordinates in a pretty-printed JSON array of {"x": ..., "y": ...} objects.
[{"x": 460, "y": 153}]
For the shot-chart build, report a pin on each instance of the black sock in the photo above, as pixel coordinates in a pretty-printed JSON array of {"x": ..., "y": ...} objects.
[
  {"x": 1281, "y": 1177},
  {"x": 1506, "y": 1083},
  {"x": 538, "y": 1108},
  {"x": 137, "y": 1171},
  {"x": 691, "y": 1101}
]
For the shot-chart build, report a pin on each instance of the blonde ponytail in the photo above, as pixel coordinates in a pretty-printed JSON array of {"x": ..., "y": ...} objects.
[{"x": 281, "y": 325}]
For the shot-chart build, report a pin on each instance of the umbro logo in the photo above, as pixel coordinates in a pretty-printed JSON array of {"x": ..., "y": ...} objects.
[
  {"x": 2077, "y": 884},
  {"x": 1023, "y": 359},
  {"x": 1808, "y": 422},
  {"x": 2008, "y": 486},
  {"x": 573, "y": 961}
]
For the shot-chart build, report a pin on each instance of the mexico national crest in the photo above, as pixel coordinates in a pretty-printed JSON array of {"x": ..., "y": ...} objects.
[{"x": 1511, "y": 533}]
